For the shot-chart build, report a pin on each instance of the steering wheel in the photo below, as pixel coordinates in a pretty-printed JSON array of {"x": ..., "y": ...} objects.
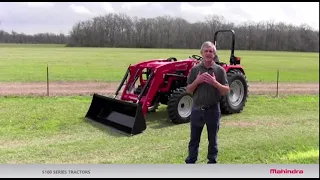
[
  {"x": 172, "y": 59},
  {"x": 197, "y": 57}
]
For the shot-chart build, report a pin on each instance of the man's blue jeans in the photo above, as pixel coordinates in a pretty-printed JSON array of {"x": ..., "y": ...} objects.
[{"x": 210, "y": 117}]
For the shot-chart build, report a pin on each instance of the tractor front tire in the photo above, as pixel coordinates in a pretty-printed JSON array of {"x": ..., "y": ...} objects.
[
  {"x": 180, "y": 106},
  {"x": 236, "y": 100}
]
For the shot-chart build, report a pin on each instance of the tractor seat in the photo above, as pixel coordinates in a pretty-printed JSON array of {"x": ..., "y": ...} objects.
[{"x": 216, "y": 58}]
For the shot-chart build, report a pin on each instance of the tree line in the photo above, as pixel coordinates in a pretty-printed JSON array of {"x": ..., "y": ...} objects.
[
  {"x": 121, "y": 30},
  {"x": 40, "y": 38}
]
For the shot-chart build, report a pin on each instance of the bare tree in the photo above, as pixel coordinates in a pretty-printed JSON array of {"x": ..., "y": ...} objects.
[{"x": 120, "y": 30}]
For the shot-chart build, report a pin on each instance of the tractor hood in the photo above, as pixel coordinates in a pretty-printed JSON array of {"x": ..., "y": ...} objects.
[{"x": 161, "y": 62}]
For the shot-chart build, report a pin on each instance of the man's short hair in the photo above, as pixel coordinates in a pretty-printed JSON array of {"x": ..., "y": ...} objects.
[{"x": 208, "y": 44}]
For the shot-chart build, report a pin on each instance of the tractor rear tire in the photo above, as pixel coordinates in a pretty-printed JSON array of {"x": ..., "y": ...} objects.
[
  {"x": 180, "y": 106},
  {"x": 236, "y": 100}
]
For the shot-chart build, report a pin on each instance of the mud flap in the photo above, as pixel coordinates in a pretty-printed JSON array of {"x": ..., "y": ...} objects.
[{"x": 124, "y": 116}]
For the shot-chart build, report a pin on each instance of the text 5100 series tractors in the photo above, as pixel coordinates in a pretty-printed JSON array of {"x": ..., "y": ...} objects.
[{"x": 149, "y": 83}]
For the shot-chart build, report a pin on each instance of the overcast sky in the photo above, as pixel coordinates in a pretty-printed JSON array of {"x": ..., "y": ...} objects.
[{"x": 35, "y": 17}]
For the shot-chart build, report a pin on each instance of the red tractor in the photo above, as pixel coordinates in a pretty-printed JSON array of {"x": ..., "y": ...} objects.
[{"x": 149, "y": 83}]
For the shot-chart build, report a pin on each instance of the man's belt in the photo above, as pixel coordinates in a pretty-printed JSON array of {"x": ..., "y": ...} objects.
[{"x": 206, "y": 107}]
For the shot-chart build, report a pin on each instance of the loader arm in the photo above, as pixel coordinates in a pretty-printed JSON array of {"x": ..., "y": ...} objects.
[
  {"x": 156, "y": 81},
  {"x": 152, "y": 86}
]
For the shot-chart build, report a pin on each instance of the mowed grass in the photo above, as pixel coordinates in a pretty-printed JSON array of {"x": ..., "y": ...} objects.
[
  {"x": 29, "y": 63},
  {"x": 270, "y": 130}
]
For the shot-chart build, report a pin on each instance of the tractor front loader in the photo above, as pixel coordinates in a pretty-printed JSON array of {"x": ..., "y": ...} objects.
[{"x": 147, "y": 84}]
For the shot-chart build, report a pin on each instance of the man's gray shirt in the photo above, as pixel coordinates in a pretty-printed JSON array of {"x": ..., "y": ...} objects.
[{"x": 206, "y": 94}]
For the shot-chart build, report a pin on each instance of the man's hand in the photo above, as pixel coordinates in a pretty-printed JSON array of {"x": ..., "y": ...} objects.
[
  {"x": 210, "y": 79},
  {"x": 200, "y": 78}
]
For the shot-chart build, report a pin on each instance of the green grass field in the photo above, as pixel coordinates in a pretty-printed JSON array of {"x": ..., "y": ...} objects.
[
  {"x": 29, "y": 62},
  {"x": 39, "y": 130},
  {"x": 52, "y": 130}
]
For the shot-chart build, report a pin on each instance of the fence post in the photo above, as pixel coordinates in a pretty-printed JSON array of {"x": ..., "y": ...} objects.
[
  {"x": 47, "y": 80},
  {"x": 277, "y": 83}
]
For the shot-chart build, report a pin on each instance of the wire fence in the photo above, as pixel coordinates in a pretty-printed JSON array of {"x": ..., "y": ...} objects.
[
  {"x": 58, "y": 80},
  {"x": 51, "y": 80}
]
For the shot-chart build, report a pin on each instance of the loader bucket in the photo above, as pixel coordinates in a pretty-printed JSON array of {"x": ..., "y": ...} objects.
[{"x": 123, "y": 116}]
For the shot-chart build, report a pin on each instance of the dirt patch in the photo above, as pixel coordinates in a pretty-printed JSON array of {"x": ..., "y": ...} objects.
[
  {"x": 57, "y": 88},
  {"x": 283, "y": 88},
  {"x": 249, "y": 124},
  {"x": 105, "y": 88},
  {"x": 239, "y": 124}
]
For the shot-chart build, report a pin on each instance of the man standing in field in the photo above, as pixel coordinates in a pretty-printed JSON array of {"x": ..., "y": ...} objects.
[{"x": 207, "y": 82}]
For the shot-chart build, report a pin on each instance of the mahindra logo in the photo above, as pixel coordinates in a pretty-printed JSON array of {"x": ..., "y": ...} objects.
[{"x": 286, "y": 171}]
